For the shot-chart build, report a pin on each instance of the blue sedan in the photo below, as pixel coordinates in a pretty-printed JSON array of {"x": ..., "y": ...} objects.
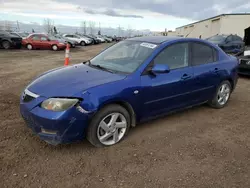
[{"x": 132, "y": 81}]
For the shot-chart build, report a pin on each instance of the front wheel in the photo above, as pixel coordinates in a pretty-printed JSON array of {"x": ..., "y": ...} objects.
[
  {"x": 54, "y": 47},
  {"x": 6, "y": 45},
  {"x": 222, "y": 95},
  {"x": 29, "y": 46},
  {"x": 109, "y": 126}
]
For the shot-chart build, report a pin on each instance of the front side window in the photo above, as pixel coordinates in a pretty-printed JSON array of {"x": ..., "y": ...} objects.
[
  {"x": 35, "y": 37},
  {"x": 175, "y": 56},
  {"x": 229, "y": 39},
  {"x": 202, "y": 54},
  {"x": 125, "y": 56},
  {"x": 44, "y": 39}
]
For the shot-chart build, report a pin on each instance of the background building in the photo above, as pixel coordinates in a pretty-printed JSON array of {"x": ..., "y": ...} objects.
[{"x": 221, "y": 24}]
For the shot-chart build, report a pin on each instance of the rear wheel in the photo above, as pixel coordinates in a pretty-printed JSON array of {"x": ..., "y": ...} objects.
[
  {"x": 54, "y": 47},
  {"x": 109, "y": 126},
  {"x": 222, "y": 95},
  {"x": 82, "y": 43},
  {"x": 6, "y": 45},
  {"x": 29, "y": 46}
]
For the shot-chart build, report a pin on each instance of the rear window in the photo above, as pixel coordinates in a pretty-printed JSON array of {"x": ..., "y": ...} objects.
[
  {"x": 202, "y": 54},
  {"x": 217, "y": 38}
]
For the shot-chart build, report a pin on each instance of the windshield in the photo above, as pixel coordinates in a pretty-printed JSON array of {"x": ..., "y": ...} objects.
[
  {"x": 23, "y": 34},
  {"x": 125, "y": 56},
  {"x": 4, "y": 32},
  {"x": 51, "y": 37},
  {"x": 217, "y": 38}
]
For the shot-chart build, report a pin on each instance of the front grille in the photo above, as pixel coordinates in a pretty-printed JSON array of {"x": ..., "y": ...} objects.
[{"x": 27, "y": 98}]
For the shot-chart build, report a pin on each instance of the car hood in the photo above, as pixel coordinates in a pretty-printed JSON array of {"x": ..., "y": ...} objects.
[{"x": 70, "y": 81}]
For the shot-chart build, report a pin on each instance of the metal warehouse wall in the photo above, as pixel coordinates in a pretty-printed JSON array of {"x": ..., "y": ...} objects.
[
  {"x": 205, "y": 28},
  {"x": 234, "y": 24},
  {"x": 228, "y": 24}
]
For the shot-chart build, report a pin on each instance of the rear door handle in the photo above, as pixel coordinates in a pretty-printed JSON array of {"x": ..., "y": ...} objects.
[{"x": 185, "y": 77}]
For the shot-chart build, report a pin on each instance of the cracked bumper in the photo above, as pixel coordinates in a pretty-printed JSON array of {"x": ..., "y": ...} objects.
[{"x": 56, "y": 127}]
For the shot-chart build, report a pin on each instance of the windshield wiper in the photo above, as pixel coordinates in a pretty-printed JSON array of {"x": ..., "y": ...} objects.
[{"x": 100, "y": 67}]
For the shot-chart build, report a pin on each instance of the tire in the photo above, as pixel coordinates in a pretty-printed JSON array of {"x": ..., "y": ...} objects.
[
  {"x": 6, "y": 45},
  {"x": 95, "y": 132},
  {"x": 54, "y": 47},
  {"x": 29, "y": 46},
  {"x": 215, "y": 102},
  {"x": 82, "y": 43}
]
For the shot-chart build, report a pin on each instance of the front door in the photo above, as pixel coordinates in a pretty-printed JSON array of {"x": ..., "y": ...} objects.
[
  {"x": 45, "y": 42},
  {"x": 166, "y": 92},
  {"x": 36, "y": 41}
]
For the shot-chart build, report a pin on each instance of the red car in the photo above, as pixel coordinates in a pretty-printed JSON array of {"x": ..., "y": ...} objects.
[{"x": 41, "y": 41}]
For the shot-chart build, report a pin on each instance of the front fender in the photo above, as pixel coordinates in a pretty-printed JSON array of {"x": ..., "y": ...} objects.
[{"x": 117, "y": 92}]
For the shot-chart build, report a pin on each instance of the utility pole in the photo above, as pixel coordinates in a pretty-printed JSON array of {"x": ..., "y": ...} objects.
[
  {"x": 18, "y": 28},
  {"x": 119, "y": 31},
  {"x": 100, "y": 28}
]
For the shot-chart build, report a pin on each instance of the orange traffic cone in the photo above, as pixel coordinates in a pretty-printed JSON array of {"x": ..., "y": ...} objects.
[{"x": 66, "y": 63}]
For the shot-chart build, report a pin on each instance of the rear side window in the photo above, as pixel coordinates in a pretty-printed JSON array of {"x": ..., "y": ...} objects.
[{"x": 202, "y": 54}]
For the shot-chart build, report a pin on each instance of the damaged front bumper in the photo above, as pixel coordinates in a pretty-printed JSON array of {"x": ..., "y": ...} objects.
[{"x": 55, "y": 127}]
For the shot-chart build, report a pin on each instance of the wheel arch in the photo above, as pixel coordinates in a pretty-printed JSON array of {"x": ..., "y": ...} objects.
[{"x": 125, "y": 105}]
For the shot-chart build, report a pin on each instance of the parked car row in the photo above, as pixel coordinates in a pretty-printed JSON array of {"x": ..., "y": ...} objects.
[{"x": 54, "y": 42}]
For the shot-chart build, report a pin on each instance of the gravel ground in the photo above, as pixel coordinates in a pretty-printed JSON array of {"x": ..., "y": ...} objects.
[{"x": 197, "y": 148}]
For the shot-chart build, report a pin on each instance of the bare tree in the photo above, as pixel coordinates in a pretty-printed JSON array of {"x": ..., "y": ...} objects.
[{"x": 48, "y": 25}]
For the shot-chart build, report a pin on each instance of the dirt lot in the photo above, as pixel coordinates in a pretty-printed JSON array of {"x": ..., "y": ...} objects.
[{"x": 201, "y": 147}]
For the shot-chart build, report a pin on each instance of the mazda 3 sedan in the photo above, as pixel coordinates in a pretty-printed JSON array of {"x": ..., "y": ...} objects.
[{"x": 132, "y": 81}]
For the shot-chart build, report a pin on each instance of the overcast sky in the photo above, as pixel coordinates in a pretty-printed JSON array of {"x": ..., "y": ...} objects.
[{"x": 137, "y": 14}]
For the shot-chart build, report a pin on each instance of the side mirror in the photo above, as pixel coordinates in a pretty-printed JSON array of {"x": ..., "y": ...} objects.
[{"x": 160, "y": 68}]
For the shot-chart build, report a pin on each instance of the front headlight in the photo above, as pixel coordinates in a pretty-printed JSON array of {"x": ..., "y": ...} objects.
[
  {"x": 61, "y": 43},
  {"x": 58, "y": 104}
]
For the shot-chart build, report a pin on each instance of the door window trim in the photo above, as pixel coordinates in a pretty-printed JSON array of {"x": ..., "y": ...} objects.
[
  {"x": 214, "y": 53},
  {"x": 151, "y": 64}
]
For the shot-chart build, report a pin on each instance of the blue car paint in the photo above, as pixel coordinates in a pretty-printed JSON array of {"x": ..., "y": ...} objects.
[{"x": 155, "y": 96}]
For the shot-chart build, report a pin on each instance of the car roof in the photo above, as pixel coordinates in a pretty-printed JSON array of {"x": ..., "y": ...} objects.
[{"x": 154, "y": 39}]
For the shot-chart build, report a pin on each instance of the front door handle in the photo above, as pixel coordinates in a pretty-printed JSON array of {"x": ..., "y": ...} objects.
[
  {"x": 216, "y": 70},
  {"x": 185, "y": 77}
]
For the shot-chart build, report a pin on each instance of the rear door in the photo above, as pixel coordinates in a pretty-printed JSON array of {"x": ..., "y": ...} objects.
[{"x": 204, "y": 60}]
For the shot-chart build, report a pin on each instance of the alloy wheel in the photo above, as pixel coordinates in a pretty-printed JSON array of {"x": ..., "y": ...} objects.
[
  {"x": 223, "y": 94},
  {"x": 112, "y": 129},
  {"x": 6, "y": 45}
]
